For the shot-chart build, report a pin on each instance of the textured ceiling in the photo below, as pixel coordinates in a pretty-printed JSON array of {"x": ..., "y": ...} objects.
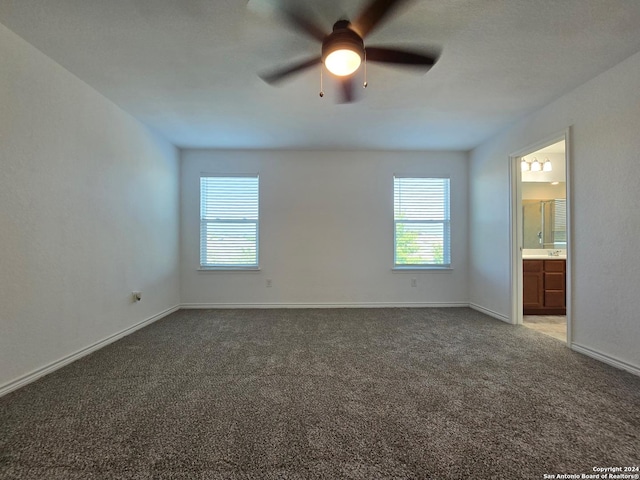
[{"x": 188, "y": 68}]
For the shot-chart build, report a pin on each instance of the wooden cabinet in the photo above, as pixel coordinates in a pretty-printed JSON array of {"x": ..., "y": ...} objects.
[{"x": 544, "y": 287}]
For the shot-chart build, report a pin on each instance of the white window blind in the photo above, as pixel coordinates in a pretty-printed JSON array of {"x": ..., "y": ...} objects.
[
  {"x": 560, "y": 222},
  {"x": 422, "y": 222},
  {"x": 229, "y": 221}
]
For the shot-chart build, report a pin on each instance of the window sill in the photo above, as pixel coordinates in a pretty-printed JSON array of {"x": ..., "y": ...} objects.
[
  {"x": 228, "y": 269},
  {"x": 421, "y": 269}
]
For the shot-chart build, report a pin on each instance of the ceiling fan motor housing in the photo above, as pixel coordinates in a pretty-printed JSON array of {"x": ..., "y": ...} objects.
[{"x": 341, "y": 38}]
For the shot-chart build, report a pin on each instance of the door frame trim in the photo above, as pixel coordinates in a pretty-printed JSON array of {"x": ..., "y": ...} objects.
[{"x": 515, "y": 224}]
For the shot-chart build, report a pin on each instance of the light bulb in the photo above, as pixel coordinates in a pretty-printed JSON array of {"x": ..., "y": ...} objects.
[
  {"x": 546, "y": 166},
  {"x": 342, "y": 62},
  {"x": 524, "y": 165},
  {"x": 535, "y": 165}
]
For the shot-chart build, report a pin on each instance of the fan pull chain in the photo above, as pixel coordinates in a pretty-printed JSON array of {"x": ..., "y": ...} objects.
[
  {"x": 321, "y": 89},
  {"x": 365, "y": 84}
]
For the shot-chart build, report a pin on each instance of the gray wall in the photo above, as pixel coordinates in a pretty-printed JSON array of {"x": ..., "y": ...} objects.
[
  {"x": 326, "y": 235},
  {"x": 89, "y": 212},
  {"x": 604, "y": 115}
]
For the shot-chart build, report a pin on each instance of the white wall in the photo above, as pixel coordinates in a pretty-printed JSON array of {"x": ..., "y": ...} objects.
[
  {"x": 604, "y": 115},
  {"x": 543, "y": 191},
  {"x": 88, "y": 213},
  {"x": 326, "y": 230}
]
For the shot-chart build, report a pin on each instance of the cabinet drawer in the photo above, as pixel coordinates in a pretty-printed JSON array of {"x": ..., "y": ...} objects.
[
  {"x": 533, "y": 265},
  {"x": 554, "y": 265},
  {"x": 553, "y": 281},
  {"x": 554, "y": 298}
]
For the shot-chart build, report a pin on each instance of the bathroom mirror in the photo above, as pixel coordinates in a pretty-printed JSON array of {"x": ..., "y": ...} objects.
[{"x": 544, "y": 223}]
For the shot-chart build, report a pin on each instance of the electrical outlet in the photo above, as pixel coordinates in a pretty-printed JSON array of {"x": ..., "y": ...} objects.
[
  {"x": 414, "y": 282},
  {"x": 268, "y": 282}
]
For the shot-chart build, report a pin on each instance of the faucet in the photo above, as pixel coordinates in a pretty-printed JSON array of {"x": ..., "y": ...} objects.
[{"x": 554, "y": 253}]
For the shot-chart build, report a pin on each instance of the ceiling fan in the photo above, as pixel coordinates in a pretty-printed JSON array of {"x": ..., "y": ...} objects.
[{"x": 343, "y": 50}]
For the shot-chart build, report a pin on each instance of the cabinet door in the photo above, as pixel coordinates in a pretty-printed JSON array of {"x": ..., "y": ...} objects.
[{"x": 533, "y": 284}]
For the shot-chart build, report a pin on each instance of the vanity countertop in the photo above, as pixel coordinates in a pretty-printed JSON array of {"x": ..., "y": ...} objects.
[{"x": 543, "y": 254}]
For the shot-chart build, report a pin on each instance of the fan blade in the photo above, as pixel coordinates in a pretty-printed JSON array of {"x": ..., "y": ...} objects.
[
  {"x": 280, "y": 74},
  {"x": 373, "y": 14},
  {"x": 346, "y": 85},
  {"x": 303, "y": 23},
  {"x": 401, "y": 57}
]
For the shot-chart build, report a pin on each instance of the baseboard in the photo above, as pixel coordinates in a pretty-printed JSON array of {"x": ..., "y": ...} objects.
[
  {"x": 324, "y": 305},
  {"x": 491, "y": 313},
  {"x": 604, "y": 358},
  {"x": 36, "y": 374},
  {"x": 41, "y": 372}
]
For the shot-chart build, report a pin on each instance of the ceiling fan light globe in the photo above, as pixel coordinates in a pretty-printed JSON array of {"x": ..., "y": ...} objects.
[{"x": 343, "y": 62}]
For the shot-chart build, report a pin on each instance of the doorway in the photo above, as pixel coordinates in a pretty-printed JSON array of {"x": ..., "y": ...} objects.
[{"x": 540, "y": 232}]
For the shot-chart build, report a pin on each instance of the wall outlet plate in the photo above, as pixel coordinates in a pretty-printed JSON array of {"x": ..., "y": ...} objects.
[{"x": 137, "y": 296}]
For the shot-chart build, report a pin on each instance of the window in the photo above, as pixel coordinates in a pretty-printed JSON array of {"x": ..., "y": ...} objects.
[
  {"x": 229, "y": 222},
  {"x": 421, "y": 222}
]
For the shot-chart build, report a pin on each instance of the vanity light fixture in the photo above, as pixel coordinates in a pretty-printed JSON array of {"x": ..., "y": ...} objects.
[{"x": 536, "y": 166}]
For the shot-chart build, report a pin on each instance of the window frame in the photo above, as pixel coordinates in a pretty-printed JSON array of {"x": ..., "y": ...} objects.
[
  {"x": 203, "y": 221},
  {"x": 446, "y": 223}
]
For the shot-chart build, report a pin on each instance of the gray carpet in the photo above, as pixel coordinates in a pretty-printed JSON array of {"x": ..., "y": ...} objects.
[{"x": 350, "y": 393}]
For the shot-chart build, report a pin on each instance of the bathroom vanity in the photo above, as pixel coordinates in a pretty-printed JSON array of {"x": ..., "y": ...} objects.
[{"x": 544, "y": 280}]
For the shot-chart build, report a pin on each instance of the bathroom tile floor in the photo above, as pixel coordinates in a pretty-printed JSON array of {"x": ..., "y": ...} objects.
[{"x": 552, "y": 325}]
